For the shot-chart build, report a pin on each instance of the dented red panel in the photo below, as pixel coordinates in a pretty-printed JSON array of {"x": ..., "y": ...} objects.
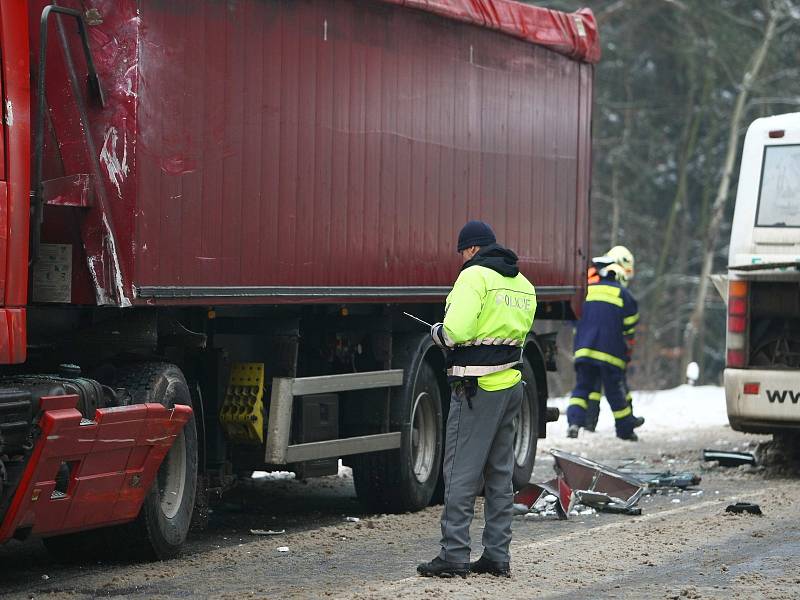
[
  {"x": 91, "y": 145},
  {"x": 318, "y": 144},
  {"x": 341, "y": 143},
  {"x": 114, "y": 461}
]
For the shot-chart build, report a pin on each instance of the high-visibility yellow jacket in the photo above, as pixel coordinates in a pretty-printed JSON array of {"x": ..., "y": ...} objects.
[{"x": 488, "y": 315}]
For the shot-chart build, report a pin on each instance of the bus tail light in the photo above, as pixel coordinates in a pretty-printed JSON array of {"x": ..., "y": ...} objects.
[{"x": 737, "y": 323}]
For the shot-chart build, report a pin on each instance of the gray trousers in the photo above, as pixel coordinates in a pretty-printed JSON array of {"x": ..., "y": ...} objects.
[{"x": 479, "y": 452}]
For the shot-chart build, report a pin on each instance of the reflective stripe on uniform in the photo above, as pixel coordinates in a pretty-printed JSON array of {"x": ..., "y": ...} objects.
[
  {"x": 601, "y": 356},
  {"x": 595, "y": 396},
  {"x": 632, "y": 320},
  {"x": 604, "y": 293},
  {"x": 479, "y": 370},
  {"x": 492, "y": 342},
  {"x": 621, "y": 414},
  {"x": 575, "y": 401},
  {"x": 630, "y": 331}
]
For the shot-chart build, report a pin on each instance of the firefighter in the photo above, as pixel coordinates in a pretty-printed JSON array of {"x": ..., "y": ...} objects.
[
  {"x": 601, "y": 351},
  {"x": 488, "y": 315},
  {"x": 624, "y": 258}
]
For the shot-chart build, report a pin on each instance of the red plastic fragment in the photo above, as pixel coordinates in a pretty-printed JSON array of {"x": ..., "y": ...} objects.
[{"x": 113, "y": 462}]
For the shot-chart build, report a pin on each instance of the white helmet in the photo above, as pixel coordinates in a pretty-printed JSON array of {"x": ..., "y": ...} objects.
[
  {"x": 606, "y": 265},
  {"x": 619, "y": 273},
  {"x": 624, "y": 258}
]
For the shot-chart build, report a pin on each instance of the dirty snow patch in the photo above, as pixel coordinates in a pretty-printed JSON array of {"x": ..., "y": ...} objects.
[{"x": 273, "y": 475}]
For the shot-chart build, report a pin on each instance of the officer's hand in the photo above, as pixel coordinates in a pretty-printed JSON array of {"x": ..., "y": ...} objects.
[{"x": 439, "y": 336}]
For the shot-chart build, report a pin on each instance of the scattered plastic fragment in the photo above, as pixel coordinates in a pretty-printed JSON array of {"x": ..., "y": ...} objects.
[
  {"x": 45, "y": 577},
  {"x": 744, "y": 507},
  {"x": 352, "y": 519},
  {"x": 727, "y": 458},
  {"x": 267, "y": 532},
  {"x": 282, "y": 548}
]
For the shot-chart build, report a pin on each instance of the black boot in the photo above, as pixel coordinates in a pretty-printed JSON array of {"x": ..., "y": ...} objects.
[
  {"x": 638, "y": 422},
  {"x": 484, "y": 565},
  {"x": 572, "y": 431},
  {"x": 441, "y": 568},
  {"x": 631, "y": 437}
]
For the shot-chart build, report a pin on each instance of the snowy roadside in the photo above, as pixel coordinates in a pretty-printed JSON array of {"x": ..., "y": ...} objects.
[
  {"x": 683, "y": 407},
  {"x": 672, "y": 418}
]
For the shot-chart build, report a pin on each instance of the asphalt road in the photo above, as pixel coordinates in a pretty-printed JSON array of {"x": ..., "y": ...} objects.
[{"x": 683, "y": 546}]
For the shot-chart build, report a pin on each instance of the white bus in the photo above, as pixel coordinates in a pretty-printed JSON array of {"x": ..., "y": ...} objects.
[{"x": 762, "y": 374}]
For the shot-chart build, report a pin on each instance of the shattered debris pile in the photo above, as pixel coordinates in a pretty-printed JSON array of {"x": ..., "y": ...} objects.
[{"x": 584, "y": 487}]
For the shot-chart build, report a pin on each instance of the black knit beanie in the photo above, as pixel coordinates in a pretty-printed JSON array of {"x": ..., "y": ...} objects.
[{"x": 475, "y": 233}]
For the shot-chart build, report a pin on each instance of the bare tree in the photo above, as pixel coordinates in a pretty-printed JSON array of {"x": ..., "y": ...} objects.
[{"x": 749, "y": 77}]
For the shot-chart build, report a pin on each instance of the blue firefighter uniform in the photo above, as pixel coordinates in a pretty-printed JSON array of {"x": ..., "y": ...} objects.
[
  {"x": 629, "y": 331},
  {"x": 601, "y": 352}
]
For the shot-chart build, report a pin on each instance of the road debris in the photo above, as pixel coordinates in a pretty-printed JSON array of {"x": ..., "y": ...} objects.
[
  {"x": 581, "y": 487},
  {"x": 267, "y": 532},
  {"x": 282, "y": 548},
  {"x": 352, "y": 519},
  {"x": 727, "y": 458},
  {"x": 744, "y": 507},
  {"x": 665, "y": 479}
]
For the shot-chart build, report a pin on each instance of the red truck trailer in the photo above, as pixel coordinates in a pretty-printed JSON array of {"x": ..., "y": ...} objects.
[{"x": 212, "y": 216}]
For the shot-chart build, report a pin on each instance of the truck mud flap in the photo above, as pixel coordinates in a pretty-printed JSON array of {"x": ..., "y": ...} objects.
[{"x": 83, "y": 473}]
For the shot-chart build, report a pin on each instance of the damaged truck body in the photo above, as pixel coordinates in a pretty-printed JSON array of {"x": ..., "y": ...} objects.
[{"x": 215, "y": 213}]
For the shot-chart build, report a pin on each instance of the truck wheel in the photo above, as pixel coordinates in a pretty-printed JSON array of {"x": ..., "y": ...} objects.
[
  {"x": 163, "y": 522},
  {"x": 404, "y": 480},
  {"x": 527, "y": 429}
]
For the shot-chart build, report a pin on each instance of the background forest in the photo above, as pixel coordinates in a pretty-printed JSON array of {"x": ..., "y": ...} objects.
[{"x": 677, "y": 86}]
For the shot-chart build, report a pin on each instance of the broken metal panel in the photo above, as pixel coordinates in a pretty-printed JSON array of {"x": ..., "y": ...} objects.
[
  {"x": 584, "y": 481},
  {"x": 585, "y": 474}
]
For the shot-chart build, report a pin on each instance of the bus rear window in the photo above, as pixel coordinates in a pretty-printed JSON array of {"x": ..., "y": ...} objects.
[{"x": 779, "y": 195}]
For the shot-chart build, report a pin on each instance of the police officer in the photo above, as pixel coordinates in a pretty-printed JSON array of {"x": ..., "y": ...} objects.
[
  {"x": 624, "y": 269},
  {"x": 601, "y": 351},
  {"x": 488, "y": 315}
]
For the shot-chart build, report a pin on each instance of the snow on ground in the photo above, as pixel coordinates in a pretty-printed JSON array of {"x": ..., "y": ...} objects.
[
  {"x": 669, "y": 415},
  {"x": 679, "y": 408},
  {"x": 344, "y": 472}
]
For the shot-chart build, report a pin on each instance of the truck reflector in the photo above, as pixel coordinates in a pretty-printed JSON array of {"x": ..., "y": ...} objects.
[
  {"x": 777, "y": 133},
  {"x": 751, "y": 388}
]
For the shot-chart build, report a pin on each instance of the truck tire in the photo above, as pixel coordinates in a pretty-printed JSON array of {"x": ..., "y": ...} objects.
[
  {"x": 527, "y": 429},
  {"x": 163, "y": 522},
  {"x": 405, "y": 479}
]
